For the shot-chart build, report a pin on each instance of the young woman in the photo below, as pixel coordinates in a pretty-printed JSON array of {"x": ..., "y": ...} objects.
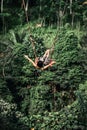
[{"x": 42, "y": 62}]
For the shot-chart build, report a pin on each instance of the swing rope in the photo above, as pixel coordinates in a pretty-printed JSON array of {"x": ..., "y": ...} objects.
[
  {"x": 53, "y": 44},
  {"x": 33, "y": 46}
]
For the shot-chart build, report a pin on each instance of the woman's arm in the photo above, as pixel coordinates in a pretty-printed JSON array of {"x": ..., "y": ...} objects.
[
  {"x": 47, "y": 52},
  {"x": 30, "y": 61},
  {"x": 50, "y": 64}
]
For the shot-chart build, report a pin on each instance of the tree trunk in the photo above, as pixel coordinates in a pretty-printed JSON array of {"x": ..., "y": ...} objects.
[
  {"x": 70, "y": 6},
  {"x": 2, "y": 6},
  {"x": 72, "y": 19},
  {"x": 25, "y": 9}
]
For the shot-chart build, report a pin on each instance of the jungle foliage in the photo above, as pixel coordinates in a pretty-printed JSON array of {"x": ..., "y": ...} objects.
[{"x": 53, "y": 99}]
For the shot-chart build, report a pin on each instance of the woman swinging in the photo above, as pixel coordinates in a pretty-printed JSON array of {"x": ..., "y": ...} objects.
[{"x": 42, "y": 62}]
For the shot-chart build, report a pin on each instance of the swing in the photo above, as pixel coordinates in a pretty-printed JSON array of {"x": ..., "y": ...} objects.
[{"x": 42, "y": 62}]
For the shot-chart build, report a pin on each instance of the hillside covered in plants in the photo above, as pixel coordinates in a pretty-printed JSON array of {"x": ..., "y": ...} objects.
[{"x": 50, "y": 99}]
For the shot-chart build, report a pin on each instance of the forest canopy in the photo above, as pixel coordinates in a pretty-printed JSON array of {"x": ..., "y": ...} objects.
[{"x": 53, "y": 99}]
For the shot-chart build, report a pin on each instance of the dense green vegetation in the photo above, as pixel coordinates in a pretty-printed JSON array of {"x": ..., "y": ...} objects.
[{"x": 53, "y": 99}]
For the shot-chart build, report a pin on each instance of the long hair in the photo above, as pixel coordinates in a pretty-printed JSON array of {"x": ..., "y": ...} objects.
[{"x": 40, "y": 63}]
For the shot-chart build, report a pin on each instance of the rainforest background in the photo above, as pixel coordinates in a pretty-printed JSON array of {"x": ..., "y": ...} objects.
[{"x": 53, "y": 99}]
